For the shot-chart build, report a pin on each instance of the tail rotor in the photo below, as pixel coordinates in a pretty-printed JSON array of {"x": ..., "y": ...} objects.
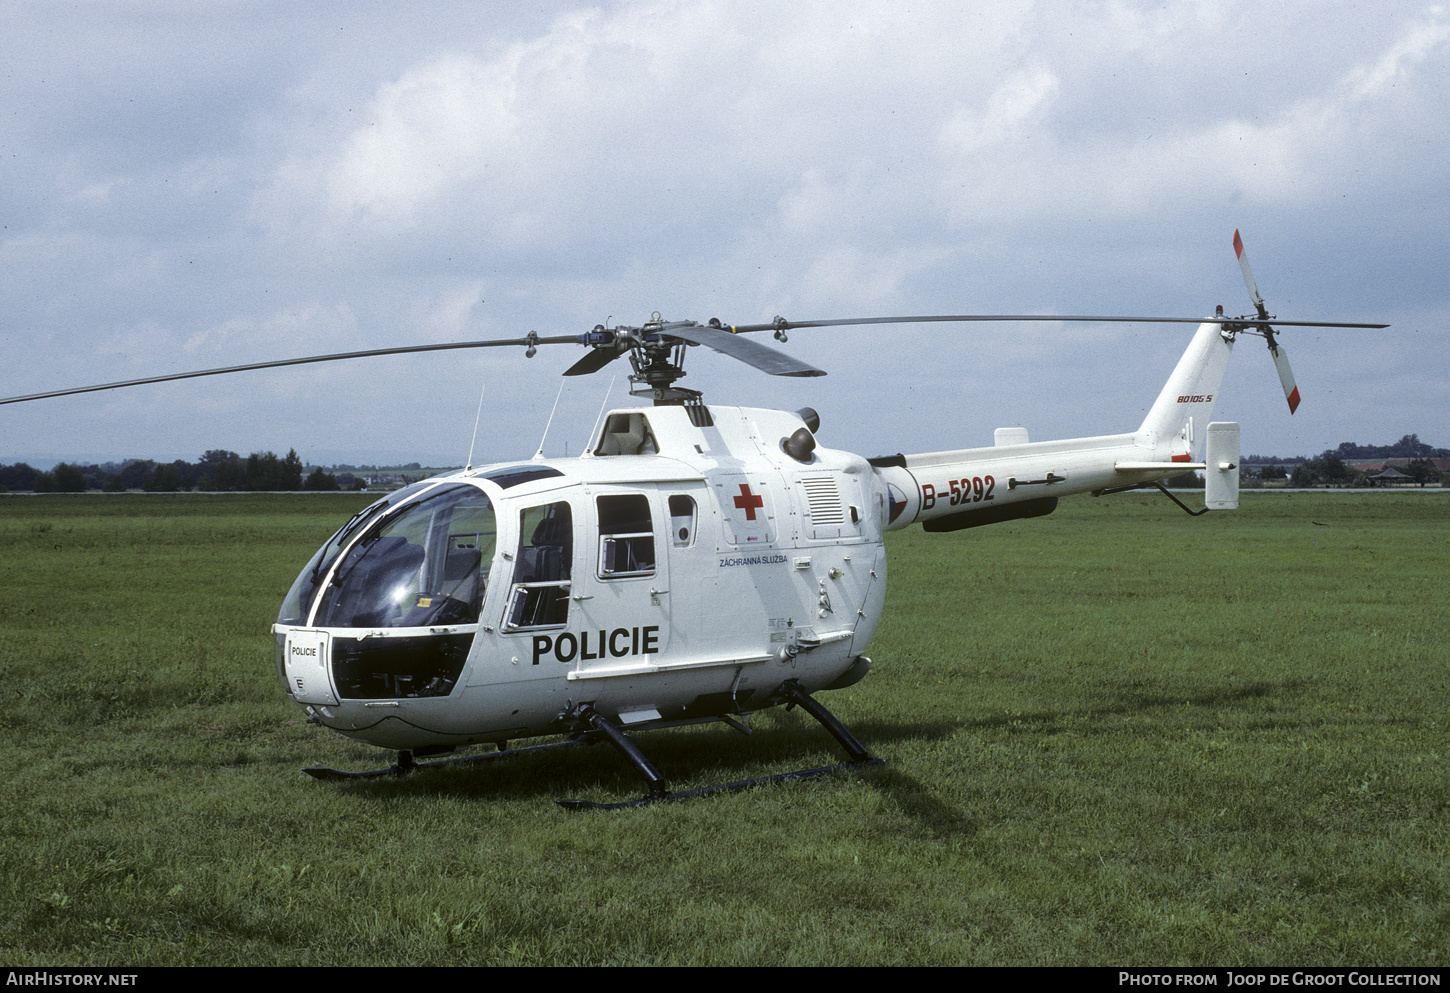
[{"x": 1262, "y": 326}]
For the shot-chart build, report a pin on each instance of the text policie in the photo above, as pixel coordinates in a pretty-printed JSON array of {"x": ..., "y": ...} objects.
[{"x": 614, "y": 644}]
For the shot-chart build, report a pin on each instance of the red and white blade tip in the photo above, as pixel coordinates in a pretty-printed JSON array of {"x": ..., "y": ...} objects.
[
  {"x": 1253, "y": 287},
  {"x": 1286, "y": 377}
]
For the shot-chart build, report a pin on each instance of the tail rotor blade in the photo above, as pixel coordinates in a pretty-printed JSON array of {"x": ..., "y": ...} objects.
[
  {"x": 1286, "y": 376},
  {"x": 1249, "y": 275}
]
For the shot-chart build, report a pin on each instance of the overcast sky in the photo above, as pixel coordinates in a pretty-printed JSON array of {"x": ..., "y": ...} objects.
[{"x": 196, "y": 184}]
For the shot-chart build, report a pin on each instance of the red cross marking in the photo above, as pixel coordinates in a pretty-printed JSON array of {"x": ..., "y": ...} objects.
[{"x": 749, "y": 502}]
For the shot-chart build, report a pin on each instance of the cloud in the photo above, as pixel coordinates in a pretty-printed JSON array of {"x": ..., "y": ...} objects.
[
  {"x": 358, "y": 176},
  {"x": 1016, "y": 106},
  {"x": 1012, "y": 158},
  {"x": 427, "y": 134},
  {"x": 1399, "y": 63}
]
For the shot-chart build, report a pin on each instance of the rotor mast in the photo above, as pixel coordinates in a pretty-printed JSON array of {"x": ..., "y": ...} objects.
[{"x": 658, "y": 363}]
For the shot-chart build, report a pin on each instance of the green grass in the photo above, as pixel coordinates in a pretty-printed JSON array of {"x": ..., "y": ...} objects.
[{"x": 1114, "y": 735}]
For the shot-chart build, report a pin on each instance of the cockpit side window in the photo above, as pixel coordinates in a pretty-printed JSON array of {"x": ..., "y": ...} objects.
[
  {"x": 542, "y": 567},
  {"x": 469, "y": 536},
  {"x": 626, "y": 536}
]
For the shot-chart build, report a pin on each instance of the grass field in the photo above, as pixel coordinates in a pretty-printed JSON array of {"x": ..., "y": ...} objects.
[{"x": 1116, "y": 735}]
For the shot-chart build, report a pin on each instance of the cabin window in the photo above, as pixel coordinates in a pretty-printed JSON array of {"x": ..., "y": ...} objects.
[
  {"x": 626, "y": 537},
  {"x": 682, "y": 521},
  {"x": 540, "y": 594}
]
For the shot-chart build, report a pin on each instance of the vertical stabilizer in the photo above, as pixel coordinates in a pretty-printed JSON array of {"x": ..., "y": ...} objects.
[{"x": 1178, "y": 422}]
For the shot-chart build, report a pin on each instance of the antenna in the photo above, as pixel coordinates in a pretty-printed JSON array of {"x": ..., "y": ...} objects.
[
  {"x": 468, "y": 465},
  {"x": 539, "y": 455},
  {"x": 602, "y": 408}
]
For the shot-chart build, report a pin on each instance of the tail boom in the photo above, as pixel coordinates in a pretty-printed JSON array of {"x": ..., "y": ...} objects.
[{"x": 946, "y": 491}]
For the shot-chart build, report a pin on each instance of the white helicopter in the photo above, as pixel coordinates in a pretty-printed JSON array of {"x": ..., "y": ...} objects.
[{"x": 696, "y": 563}]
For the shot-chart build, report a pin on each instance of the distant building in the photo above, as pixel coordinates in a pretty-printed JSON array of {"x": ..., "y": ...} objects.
[{"x": 1387, "y": 476}]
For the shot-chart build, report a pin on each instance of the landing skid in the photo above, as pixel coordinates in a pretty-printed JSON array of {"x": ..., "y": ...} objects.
[
  {"x": 735, "y": 787},
  {"x": 407, "y": 764},
  {"x": 659, "y": 790},
  {"x": 600, "y": 728}
]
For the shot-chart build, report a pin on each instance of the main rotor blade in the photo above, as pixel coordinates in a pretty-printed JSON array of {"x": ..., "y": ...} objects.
[
  {"x": 763, "y": 358},
  {"x": 593, "y": 361},
  {"x": 767, "y": 359},
  {"x": 783, "y": 325},
  {"x": 336, "y": 356}
]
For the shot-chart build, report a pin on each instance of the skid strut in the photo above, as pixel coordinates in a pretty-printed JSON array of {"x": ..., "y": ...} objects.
[{"x": 659, "y": 788}]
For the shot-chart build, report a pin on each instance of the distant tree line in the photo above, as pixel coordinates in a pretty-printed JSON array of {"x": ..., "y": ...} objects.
[
  {"x": 217, "y": 471},
  {"x": 1332, "y": 471},
  {"x": 1408, "y": 447},
  {"x": 1332, "y": 466}
]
